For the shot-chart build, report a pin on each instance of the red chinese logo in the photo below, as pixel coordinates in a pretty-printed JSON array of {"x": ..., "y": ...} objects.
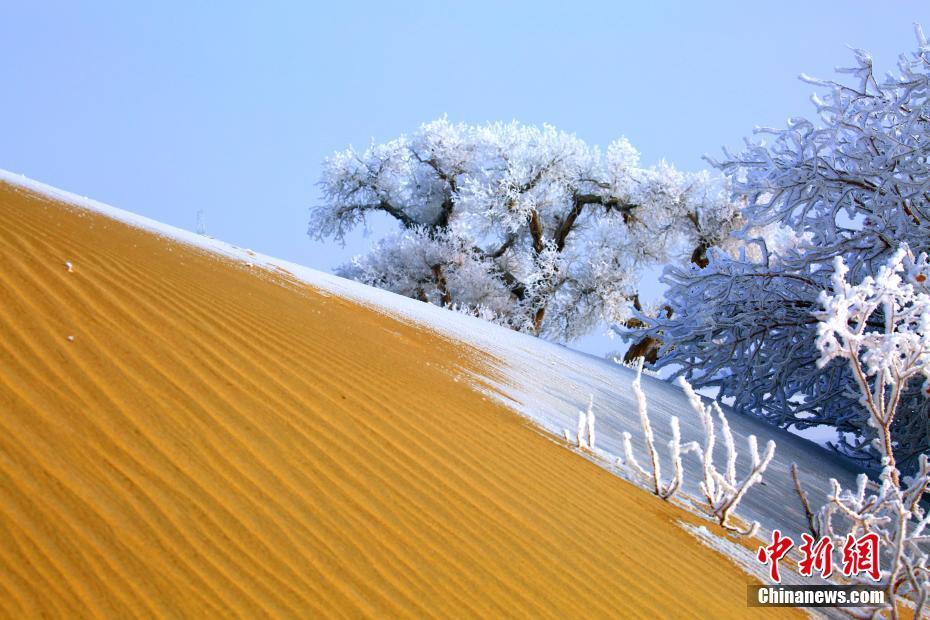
[
  {"x": 780, "y": 546},
  {"x": 817, "y": 556},
  {"x": 860, "y": 555}
]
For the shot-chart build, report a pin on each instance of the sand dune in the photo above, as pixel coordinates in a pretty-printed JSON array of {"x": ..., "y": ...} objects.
[{"x": 181, "y": 435}]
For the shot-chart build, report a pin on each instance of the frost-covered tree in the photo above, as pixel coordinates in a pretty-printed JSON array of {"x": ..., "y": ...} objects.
[
  {"x": 854, "y": 184},
  {"x": 881, "y": 328},
  {"x": 883, "y": 361},
  {"x": 529, "y": 226}
]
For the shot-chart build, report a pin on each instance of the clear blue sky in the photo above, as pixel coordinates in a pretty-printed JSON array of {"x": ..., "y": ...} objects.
[{"x": 167, "y": 108}]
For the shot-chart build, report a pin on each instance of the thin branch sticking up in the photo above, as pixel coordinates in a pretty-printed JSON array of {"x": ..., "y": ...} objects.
[{"x": 665, "y": 491}]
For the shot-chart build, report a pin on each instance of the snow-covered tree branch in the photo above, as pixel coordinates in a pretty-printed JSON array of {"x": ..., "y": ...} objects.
[{"x": 897, "y": 517}]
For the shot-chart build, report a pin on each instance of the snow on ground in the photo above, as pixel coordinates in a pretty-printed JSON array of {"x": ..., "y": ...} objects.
[{"x": 549, "y": 383}]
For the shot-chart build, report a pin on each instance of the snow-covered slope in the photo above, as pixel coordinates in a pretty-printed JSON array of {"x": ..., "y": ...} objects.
[{"x": 549, "y": 383}]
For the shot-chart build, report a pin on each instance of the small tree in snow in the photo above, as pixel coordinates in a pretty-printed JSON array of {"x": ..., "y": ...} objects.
[
  {"x": 896, "y": 515},
  {"x": 723, "y": 491},
  {"x": 528, "y": 225}
]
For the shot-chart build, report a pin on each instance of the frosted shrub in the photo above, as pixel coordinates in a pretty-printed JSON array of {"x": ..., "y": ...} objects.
[
  {"x": 723, "y": 490},
  {"x": 896, "y": 515}
]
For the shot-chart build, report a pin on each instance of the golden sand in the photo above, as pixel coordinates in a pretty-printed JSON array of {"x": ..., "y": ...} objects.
[{"x": 216, "y": 443}]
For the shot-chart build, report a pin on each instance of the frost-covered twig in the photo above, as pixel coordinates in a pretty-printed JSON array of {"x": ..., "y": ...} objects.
[
  {"x": 665, "y": 491},
  {"x": 674, "y": 446},
  {"x": 585, "y": 427},
  {"x": 617, "y": 358},
  {"x": 754, "y": 476},
  {"x": 582, "y": 424},
  {"x": 629, "y": 458},
  {"x": 805, "y": 504},
  {"x": 882, "y": 360},
  {"x": 591, "y": 435},
  {"x": 723, "y": 491}
]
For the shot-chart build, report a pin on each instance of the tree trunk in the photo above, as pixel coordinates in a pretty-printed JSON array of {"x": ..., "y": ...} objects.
[
  {"x": 699, "y": 256},
  {"x": 647, "y": 348},
  {"x": 444, "y": 296},
  {"x": 538, "y": 319},
  {"x": 536, "y": 230}
]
